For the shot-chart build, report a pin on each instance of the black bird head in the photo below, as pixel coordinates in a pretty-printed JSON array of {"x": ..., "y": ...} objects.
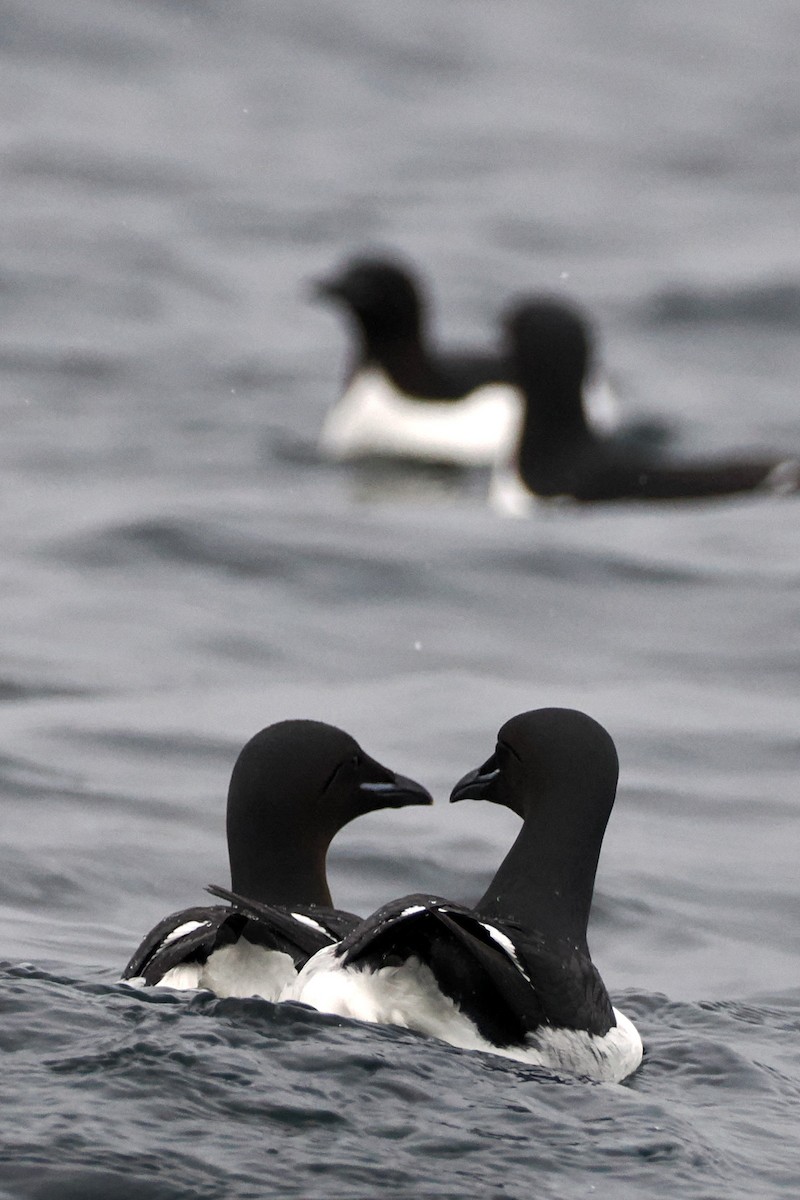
[
  {"x": 550, "y": 350},
  {"x": 294, "y": 786},
  {"x": 382, "y": 296},
  {"x": 557, "y": 769},
  {"x": 547, "y": 761}
]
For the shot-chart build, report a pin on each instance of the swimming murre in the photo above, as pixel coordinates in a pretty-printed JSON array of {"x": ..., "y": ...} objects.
[
  {"x": 513, "y": 975},
  {"x": 559, "y": 455},
  {"x": 405, "y": 397},
  {"x": 295, "y": 784}
]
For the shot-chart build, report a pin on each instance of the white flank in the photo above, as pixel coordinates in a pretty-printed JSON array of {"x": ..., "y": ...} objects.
[
  {"x": 408, "y": 995},
  {"x": 374, "y": 418},
  {"x": 247, "y": 970},
  {"x": 183, "y": 978},
  {"x": 508, "y": 495},
  {"x": 241, "y": 970}
]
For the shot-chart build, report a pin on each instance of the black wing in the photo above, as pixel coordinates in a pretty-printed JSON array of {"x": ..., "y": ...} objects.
[
  {"x": 300, "y": 938},
  {"x": 461, "y": 372},
  {"x": 444, "y": 376},
  {"x": 571, "y": 991},
  {"x": 483, "y": 978},
  {"x": 159, "y": 952},
  {"x": 611, "y": 469}
]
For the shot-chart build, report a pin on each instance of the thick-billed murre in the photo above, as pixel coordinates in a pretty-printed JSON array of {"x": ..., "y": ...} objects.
[
  {"x": 558, "y": 455},
  {"x": 293, "y": 787}
]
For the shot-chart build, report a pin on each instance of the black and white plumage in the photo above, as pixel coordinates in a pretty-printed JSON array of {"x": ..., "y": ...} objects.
[
  {"x": 559, "y": 455},
  {"x": 513, "y": 975},
  {"x": 293, "y": 787},
  {"x": 407, "y": 398}
]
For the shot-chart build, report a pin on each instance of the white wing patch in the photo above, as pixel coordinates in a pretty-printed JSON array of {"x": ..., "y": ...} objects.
[
  {"x": 312, "y": 924},
  {"x": 181, "y": 930},
  {"x": 508, "y": 946}
]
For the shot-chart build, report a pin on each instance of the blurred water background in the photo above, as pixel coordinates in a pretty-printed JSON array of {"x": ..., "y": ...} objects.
[{"x": 178, "y": 570}]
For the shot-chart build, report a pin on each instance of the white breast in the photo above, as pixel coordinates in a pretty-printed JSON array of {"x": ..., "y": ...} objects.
[{"x": 374, "y": 418}]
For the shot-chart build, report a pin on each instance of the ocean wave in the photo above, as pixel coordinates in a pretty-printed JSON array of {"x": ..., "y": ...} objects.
[
  {"x": 772, "y": 303},
  {"x": 185, "y": 1095},
  {"x": 211, "y": 546}
]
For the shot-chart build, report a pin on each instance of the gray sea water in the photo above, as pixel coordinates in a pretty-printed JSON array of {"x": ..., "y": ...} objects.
[{"x": 178, "y": 570}]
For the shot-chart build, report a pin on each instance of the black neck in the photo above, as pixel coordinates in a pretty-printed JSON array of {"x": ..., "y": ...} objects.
[
  {"x": 282, "y": 876},
  {"x": 550, "y": 425},
  {"x": 554, "y": 410},
  {"x": 546, "y": 882},
  {"x": 393, "y": 349}
]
